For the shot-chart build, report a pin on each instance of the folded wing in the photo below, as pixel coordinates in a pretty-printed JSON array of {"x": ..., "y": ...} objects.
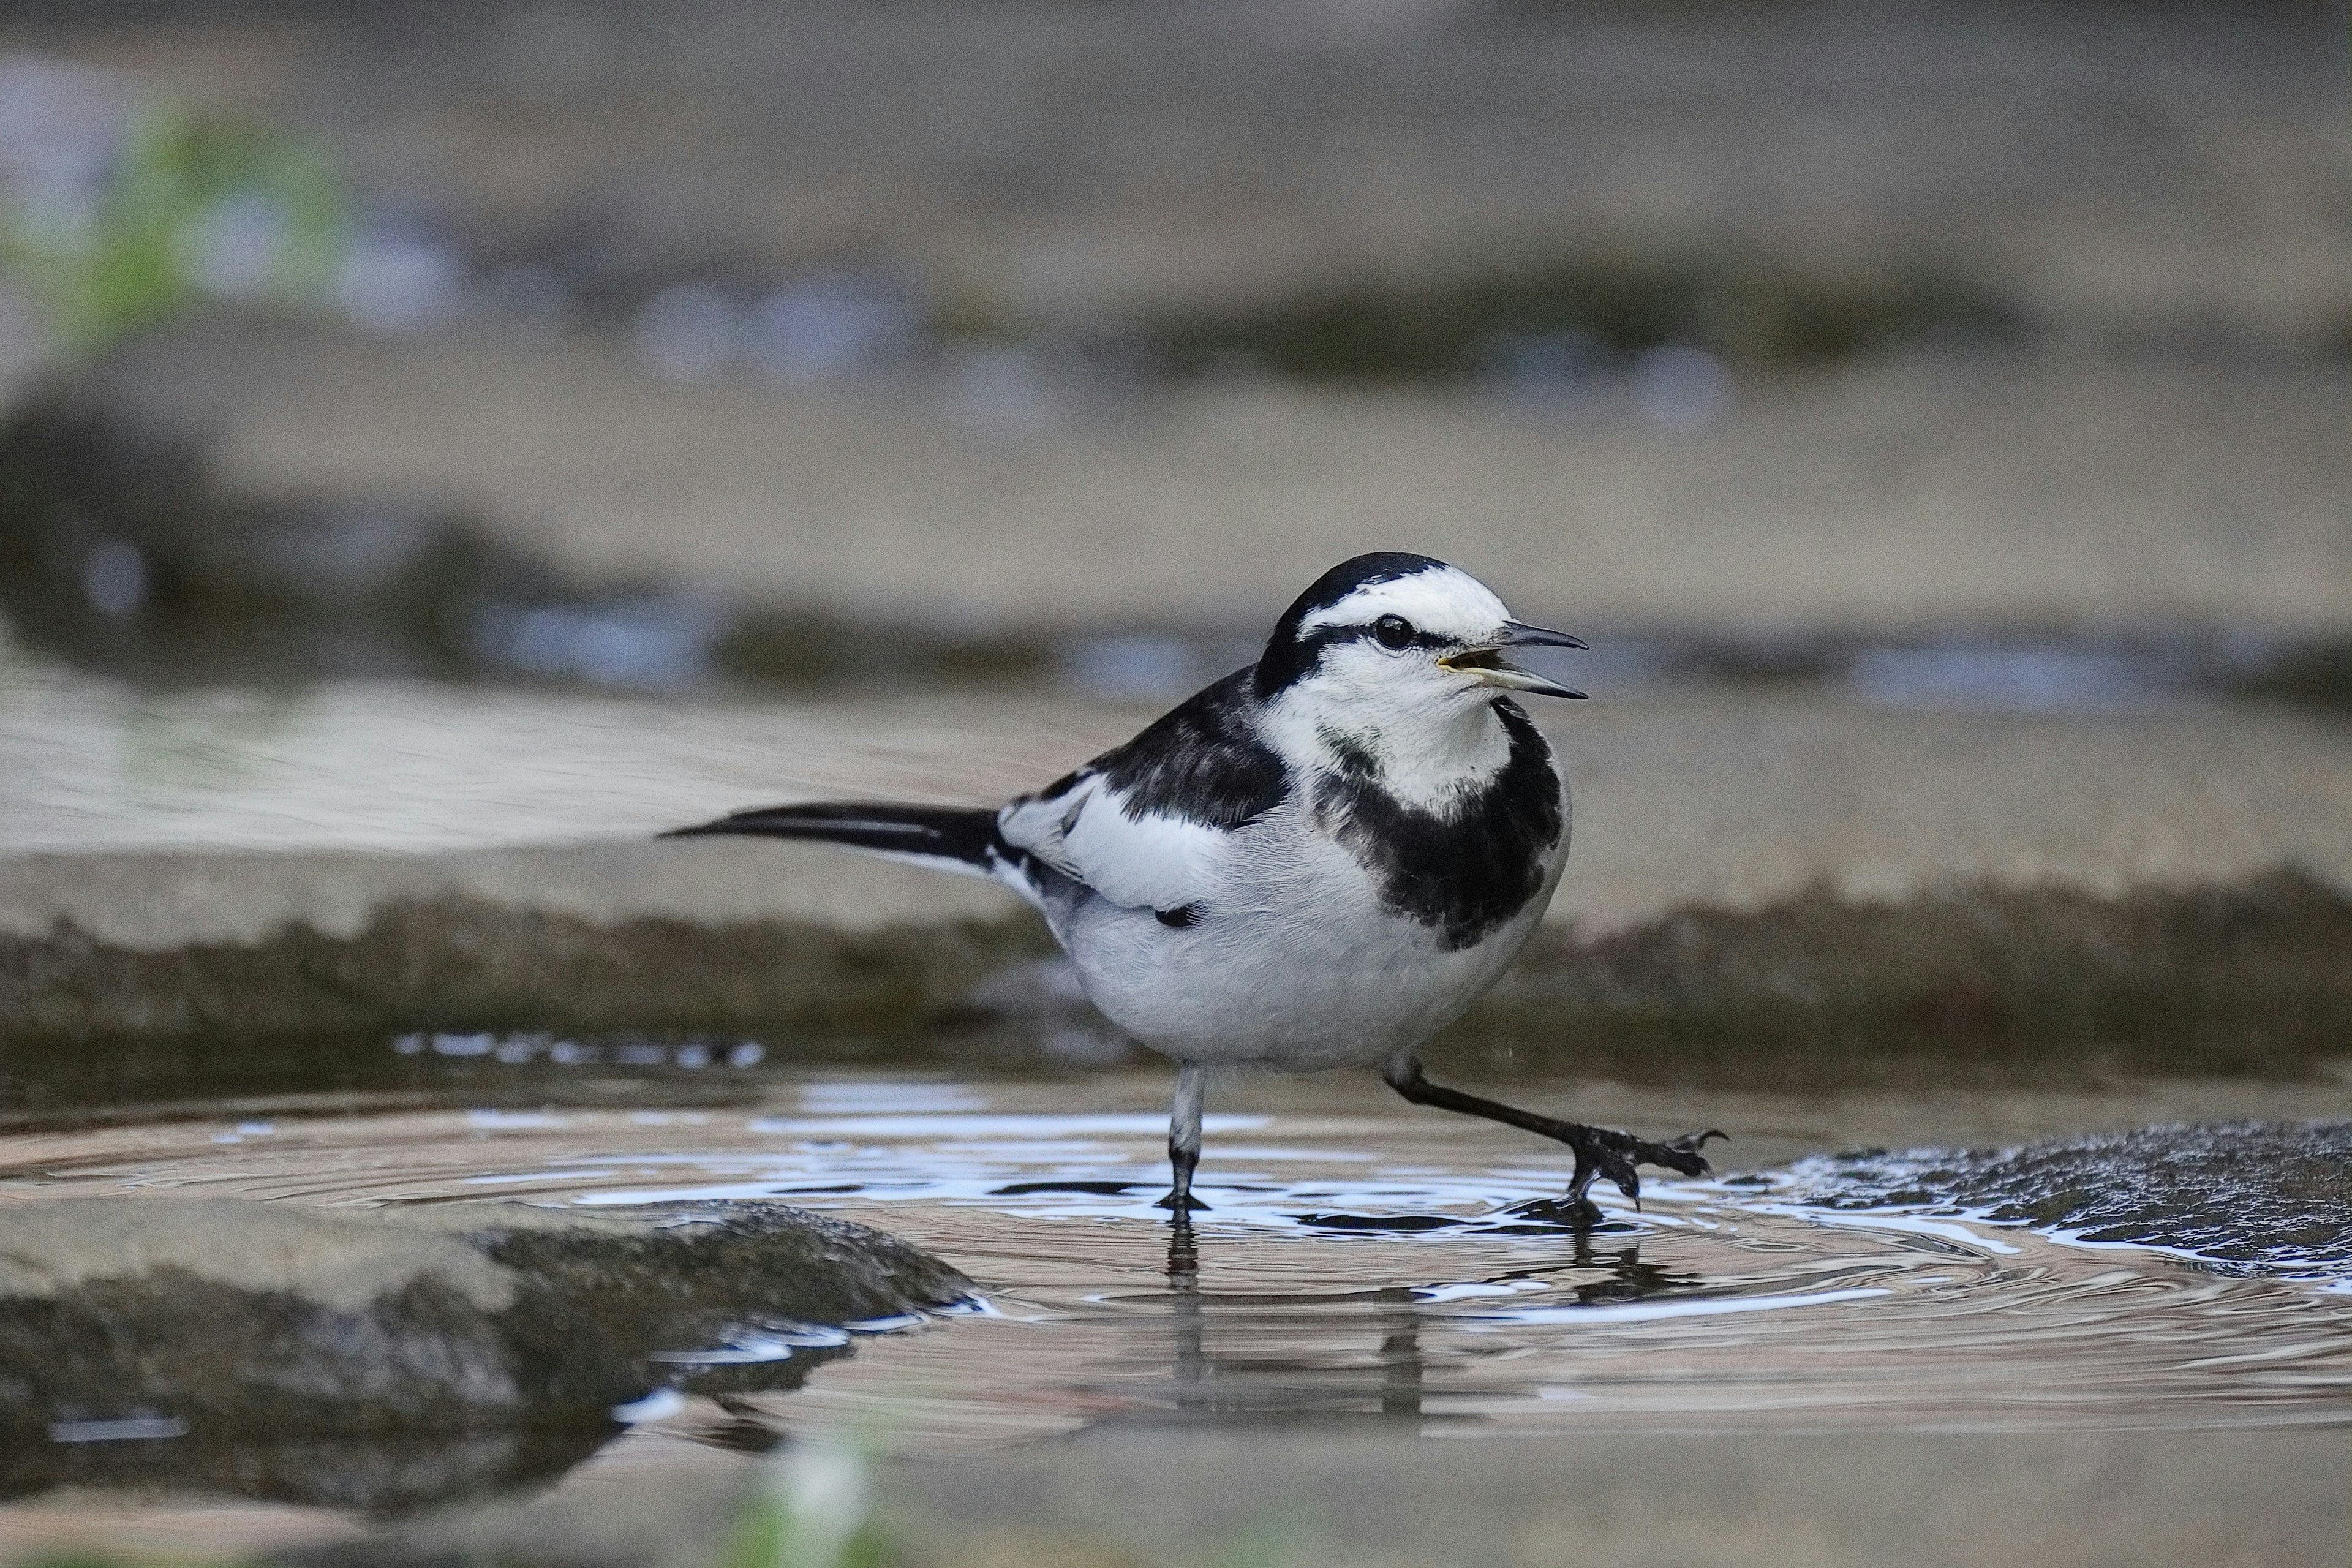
[
  {"x": 1093, "y": 834},
  {"x": 1155, "y": 823}
]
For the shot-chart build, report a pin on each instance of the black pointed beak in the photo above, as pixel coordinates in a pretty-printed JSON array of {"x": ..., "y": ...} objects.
[
  {"x": 1486, "y": 660},
  {"x": 1518, "y": 633}
]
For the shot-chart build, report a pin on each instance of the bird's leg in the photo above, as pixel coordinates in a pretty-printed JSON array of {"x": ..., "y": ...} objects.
[
  {"x": 1184, "y": 1137},
  {"x": 1600, "y": 1150}
]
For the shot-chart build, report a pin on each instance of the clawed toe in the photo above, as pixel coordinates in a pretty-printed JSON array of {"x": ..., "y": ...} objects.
[
  {"x": 1681, "y": 1154},
  {"x": 1602, "y": 1151}
]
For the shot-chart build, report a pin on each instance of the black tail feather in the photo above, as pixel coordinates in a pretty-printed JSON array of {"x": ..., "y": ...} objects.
[{"x": 961, "y": 835}]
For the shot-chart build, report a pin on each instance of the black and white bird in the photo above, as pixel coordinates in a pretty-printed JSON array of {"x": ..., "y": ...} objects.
[{"x": 1316, "y": 862}]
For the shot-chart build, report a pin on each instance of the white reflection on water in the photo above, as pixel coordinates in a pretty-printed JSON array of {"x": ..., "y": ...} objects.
[
  {"x": 1896, "y": 1220},
  {"x": 964, "y": 1128},
  {"x": 1392, "y": 1268},
  {"x": 1585, "y": 1314}
]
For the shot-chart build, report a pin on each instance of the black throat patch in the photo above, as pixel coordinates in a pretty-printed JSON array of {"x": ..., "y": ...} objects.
[{"x": 1462, "y": 872}]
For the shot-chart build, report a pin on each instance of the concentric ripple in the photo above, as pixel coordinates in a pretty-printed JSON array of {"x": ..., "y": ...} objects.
[
  {"x": 2272, "y": 1198},
  {"x": 1399, "y": 1269}
]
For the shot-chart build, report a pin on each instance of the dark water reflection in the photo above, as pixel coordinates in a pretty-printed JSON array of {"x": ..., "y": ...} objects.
[{"x": 1218, "y": 1375}]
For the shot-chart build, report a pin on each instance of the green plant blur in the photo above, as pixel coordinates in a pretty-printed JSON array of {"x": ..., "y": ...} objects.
[{"x": 132, "y": 252}]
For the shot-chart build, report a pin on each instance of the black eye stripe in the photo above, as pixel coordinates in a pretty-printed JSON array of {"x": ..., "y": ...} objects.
[
  {"x": 1325, "y": 637},
  {"x": 1292, "y": 651},
  {"x": 1303, "y": 655}
]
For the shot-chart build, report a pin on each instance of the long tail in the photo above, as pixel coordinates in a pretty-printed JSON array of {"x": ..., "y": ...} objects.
[{"x": 949, "y": 838}]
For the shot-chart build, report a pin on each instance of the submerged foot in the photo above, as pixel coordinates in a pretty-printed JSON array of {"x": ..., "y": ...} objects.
[
  {"x": 1605, "y": 1151},
  {"x": 1184, "y": 1202},
  {"x": 1577, "y": 1213}
]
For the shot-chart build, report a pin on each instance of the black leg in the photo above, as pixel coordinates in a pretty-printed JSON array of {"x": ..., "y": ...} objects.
[
  {"x": 1600, "y": 1150},
  {"x": 1181, "y": 1164},
  {"x": 1184, "y": 1137}
]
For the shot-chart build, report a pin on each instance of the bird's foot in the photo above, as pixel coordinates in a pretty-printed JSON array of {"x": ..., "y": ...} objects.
[
  {"x": 1605, "y": 1151},
  {"x": 1577, "y": 1213},
  {"x": 1183, "y": 1203}
]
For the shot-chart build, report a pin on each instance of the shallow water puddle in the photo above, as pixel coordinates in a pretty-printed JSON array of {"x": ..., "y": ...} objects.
[{"x": 1355, "y": 1267}]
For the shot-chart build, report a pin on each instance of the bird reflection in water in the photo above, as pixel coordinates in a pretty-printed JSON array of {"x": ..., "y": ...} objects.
[
  {"x": 1270, "y": 1386},
  {"x": 1243, "y": 1356},
  {"x": 1384, "y": 1355}
]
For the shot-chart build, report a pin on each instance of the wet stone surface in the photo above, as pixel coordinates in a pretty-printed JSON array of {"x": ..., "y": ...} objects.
[
  {"x": 1974, "y": 984},
  {"x": 2270, "y": 1197},
  {"x": 398, "y": 1306},
  {"x": 360, "y": 1360}
]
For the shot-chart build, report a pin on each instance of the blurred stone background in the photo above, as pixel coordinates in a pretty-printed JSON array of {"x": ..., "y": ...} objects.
[
  {"x": 445, "y": 430},
  {"x": 1683, "y": 316}
]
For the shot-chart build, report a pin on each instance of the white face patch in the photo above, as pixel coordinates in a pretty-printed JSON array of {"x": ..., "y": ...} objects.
[
  {"x": 1429, "y": 734},
  {"x": 1442, "y": 600}
]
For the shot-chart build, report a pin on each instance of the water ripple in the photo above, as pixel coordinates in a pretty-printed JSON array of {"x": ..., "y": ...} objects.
[
  {"x": 2269, "y": 1198},
  {"x": 1392, "y": 1270}
]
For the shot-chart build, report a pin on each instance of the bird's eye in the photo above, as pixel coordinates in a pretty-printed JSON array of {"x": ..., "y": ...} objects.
[{"x": 1395, "y": 633}]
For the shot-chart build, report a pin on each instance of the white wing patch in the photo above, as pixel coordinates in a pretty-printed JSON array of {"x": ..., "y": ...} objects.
[{"x": 1153, "y": 862}]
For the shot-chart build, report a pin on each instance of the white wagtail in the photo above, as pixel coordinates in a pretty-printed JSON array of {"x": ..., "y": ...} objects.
[{"x": 1316, "y": 862}]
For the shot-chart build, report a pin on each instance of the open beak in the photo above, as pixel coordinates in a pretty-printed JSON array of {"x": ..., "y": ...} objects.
[{"x": 1485, "y": 661}]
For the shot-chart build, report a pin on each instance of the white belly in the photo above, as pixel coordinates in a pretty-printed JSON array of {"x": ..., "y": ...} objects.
[{"x": 1302, "y": 971}]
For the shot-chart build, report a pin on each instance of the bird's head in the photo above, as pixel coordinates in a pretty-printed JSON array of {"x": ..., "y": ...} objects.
[{"x": 1396, "y": 630}]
